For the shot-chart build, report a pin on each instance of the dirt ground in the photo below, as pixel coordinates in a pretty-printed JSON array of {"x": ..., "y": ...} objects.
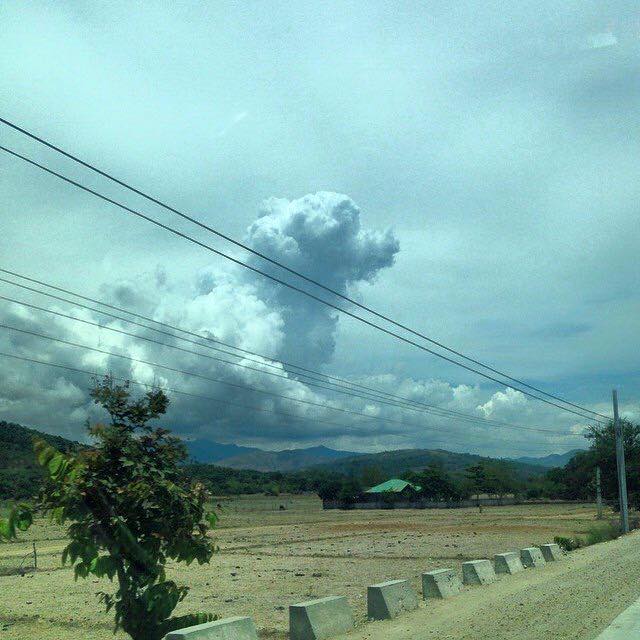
[
  {"x": 574, "y": 599},
  {"x": 271, "y": 557}
]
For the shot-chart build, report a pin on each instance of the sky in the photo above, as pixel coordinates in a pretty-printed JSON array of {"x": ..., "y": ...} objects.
[{"x": 469, "y": 169}]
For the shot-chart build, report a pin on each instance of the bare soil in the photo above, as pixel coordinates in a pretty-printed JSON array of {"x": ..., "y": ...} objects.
[
  {"x": 270, "y": 558},
  {"x": 574, "y": 599}
]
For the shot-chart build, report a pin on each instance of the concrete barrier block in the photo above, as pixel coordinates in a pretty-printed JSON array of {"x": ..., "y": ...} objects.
[
  {"x": 388, "y": 599},
  {"x": 441, "y": 583},
  {"x": 551, "y": 552},
  {"x": 319, "y": 619},
  {"x": 478, "y": 572},
  {"x": 507, "y": 562},
  {"x": 227, "y": 629},
  {"x": 532, "y": 557}
]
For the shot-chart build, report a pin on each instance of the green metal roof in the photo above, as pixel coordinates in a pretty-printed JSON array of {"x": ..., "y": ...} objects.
[{"x": 394, "y": 486}]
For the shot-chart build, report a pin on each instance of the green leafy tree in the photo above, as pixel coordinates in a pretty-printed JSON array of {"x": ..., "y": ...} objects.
[
  {"x": 272, "y": 489},
  {"x": 436, "y": 484},
  {"x": 603, "y": 450},
  {"x": 575, "y": 481},
  {"x": 349, "y": 491},
  {"x": 549, "y": 486},
  {"x": 329, "y": 489},
  {"x": 501, "y": 479},
  {"x": 476, "y": 476},
  {"x": 371, "y": 476},
  {"x": 129, "y": 509}
]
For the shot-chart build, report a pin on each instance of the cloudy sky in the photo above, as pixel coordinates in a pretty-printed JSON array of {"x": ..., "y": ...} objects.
[{"x": 469, "y": 168}]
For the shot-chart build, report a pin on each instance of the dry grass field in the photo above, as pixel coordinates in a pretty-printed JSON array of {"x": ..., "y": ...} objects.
[{"x": 271, "y": 557}]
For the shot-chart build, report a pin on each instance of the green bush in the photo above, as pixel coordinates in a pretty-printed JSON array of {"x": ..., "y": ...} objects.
[
  {"x": 568, "y": 544},
  {"x": 272, "y": 490},
  {"x": 596, "y": 533},
  {"x": 602, "y": 533}
]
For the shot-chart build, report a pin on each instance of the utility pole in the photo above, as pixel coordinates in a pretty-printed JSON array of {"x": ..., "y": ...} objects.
[
  {"x": 622, "y": 474},
  {"x": 598, "y": 493}
]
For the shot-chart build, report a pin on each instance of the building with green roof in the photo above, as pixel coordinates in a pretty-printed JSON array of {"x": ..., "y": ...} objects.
[{"x": 395, "y": 485}]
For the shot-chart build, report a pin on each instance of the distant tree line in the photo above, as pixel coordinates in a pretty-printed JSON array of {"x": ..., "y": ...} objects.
[
  {"x": 436, "y": 483},
  {"x": 20, "y": 476},
  {"x": 221, "y": 481},
  {"x": 576, "y": 480}
]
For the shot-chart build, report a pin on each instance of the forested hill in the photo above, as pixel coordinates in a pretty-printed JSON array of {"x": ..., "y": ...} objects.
[
  {"x": 16, "y": 444},
  {"x": 395, "y": 463},
  {"x": 20, "y": 474},
  {"x": 19, "y": 471},
  {"x": 287, "y": 460}
]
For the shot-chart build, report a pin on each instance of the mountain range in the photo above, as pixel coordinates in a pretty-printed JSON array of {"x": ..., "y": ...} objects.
[
  {"x": 238, "y": 457},
  {"x": 397, "y": 461},
  {"x": 550, "y": 461},
  {"x": 16, "y": 454}
]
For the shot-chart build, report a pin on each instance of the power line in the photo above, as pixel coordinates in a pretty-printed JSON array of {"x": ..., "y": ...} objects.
[
  {"x": 302, "y": 291},
  {"x": 432, "y": 410},
  {"x": 195, "y": 395},
  {"x": 410, "y": 405},
  {"x": 236, "y": 404},
  {"x": 304, "y": 277},
  {"x": 405, "y": 401},
  {"x": 190, "y": 333},
  {"x": 237, "y": 385},
  {"x": 180, "y": 330},
  {"x": 189, "y": 351}
]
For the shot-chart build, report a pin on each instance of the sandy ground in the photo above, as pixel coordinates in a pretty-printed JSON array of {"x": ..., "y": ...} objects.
[
  {"x": 269, "y": 559},
  {"x": 574, "y": 598}
]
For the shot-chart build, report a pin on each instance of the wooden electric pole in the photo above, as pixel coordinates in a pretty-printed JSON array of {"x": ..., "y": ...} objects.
[{"x": 622, "y": 474}]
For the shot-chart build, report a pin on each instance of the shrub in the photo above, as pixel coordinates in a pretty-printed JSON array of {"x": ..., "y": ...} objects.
[
  {"x": 349, "y": 492},
  {"x": 602, "y": 533},
  {"x": 568, "y": 544},
  {"x": 272, "y": 490},
  {"x": 595, "y": 534}
]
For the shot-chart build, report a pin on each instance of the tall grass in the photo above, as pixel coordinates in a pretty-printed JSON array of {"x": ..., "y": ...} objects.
[
  {"x": 596, "y": 533},
  {"x": 602, "y": 533}
]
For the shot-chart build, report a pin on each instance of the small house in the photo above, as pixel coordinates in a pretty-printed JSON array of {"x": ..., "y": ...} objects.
[{"x": 395, "y": 486}]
